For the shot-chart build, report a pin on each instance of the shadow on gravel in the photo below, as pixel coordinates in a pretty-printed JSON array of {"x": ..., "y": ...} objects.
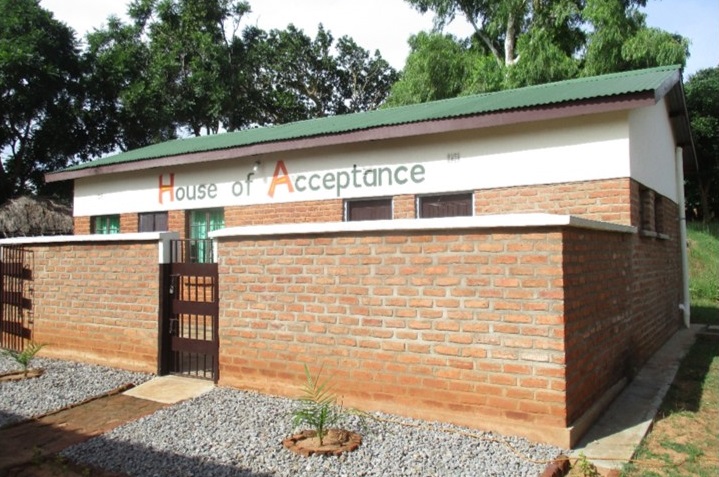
[
  {"x": 145, "y": 462},
  {"x": 31, "y": 448}
]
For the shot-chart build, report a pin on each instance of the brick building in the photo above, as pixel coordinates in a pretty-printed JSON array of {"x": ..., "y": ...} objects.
[{"x": 504, "y": 261}]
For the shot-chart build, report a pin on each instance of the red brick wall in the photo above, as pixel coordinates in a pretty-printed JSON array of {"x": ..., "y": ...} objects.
[
  {"x": 656, "y": 284},
  {"x": 466, "y": 328},
  {"x": 604, "y": 200},
  {"x": 97, "y": 303},
  {"x": 285, "y": 213},
  {"x": 403, "y": 207},
  {"x": 622, "y": 295},
  {"x": 129, "y": 223},
  {"x": 81, "y": 225},
  {"x": 597, "y": 314},
  {"x": 176, "y": 222}
]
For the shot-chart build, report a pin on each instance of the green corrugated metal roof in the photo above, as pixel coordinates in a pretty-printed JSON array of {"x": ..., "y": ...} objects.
[{"x": 533, "y": 96}]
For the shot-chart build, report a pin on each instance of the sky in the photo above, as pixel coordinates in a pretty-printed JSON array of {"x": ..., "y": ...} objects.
[{"x": 385, "y": 25}]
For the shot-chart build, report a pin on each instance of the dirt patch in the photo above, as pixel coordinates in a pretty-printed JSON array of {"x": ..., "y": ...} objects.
[{"x": 336, "y": 442}]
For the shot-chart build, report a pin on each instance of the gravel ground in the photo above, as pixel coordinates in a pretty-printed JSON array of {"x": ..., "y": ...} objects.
[
  {"x": 64, "y": 383},
  {"x": 235, "y": 433}
]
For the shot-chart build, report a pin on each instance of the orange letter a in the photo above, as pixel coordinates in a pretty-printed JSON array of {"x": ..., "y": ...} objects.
[{"x": 278, "y": 180}]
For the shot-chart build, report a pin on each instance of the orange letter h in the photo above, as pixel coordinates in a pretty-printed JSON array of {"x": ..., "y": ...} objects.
[{"x": 169, "y": 188}]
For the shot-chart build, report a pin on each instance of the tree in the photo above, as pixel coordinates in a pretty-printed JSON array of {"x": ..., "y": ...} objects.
[
  {"x": 366, "y": 79},
  {"x": 702, "y": 99},
  {"x": 525, "y": 42},
  {"x": 185, "y": 64},
  {"x": 40, "y": 96},
  {"x": 126, "y": 107},
  {"x": 620, "y": 40},
  {"x": 436, "y": 68},
  {"x": 499, "y": 26},
  {"x": 191, "y": 56},
  {"x": 307, "y": 78}
]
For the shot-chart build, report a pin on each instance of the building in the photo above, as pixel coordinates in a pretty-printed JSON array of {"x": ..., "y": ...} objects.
[{"x": 504, "y": 261}]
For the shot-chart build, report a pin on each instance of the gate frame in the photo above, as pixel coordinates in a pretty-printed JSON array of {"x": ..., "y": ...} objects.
[
  {"x": 23, "y": 274},
  {"x": 165, "y": 308}
]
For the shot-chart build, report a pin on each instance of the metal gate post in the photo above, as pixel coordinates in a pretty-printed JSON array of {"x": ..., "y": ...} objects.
[
  {"x": 2, "y": 291},
  {"x": 164, "y": 302}
]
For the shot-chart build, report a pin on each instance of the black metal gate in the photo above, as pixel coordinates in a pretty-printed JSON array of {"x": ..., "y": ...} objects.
[
  {"x": 16, "y": 291},
  {"x": 189, "y": 339}
]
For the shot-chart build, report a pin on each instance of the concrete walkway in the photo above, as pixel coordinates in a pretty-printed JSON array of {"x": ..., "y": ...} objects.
[
  {"x": 612, "y": 441},
  {"x": 170, "y": 389}
]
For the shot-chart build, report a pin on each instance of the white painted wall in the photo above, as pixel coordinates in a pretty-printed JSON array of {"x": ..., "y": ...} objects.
[
  {"x": 576, "y": 149},
  {"x": 652, "y": 149}
]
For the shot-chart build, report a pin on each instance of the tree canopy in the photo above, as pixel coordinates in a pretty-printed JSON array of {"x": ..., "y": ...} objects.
[
  {"x": 702, "y": 96},
  {"x": 188, "y": 67},
  {"x": 519, "y": 43},
  {"x": 40, "y": 94}
]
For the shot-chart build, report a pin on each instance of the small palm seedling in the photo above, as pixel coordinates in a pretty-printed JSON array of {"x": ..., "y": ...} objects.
[
  {"x": 319, "y": 408},
  {"x": 23, "y": 358}
]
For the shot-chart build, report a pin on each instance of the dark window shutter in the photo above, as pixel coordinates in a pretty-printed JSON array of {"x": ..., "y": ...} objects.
[
  {"x": 153, "y": 222},
  {"x": 456, "y": 205},
  {"x": 374, "y": 209}
]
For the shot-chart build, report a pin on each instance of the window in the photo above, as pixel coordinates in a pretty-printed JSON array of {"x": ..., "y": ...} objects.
[
  {"x": 153, "y": 222},
  {"x": 658, "y": 214},
  {"x": 200, "y": 224},
  {"x": 371, "y": 209},
  {"x": 646, "y": 209},
  {"x": 106, "y": 224},
  {"x": 455, "y": 205}
]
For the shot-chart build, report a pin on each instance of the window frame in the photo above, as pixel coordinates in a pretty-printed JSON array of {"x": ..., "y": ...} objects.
[
  {"x": 200, "y": 249},
  {"x": 421, "y": 199},
  {"x": 106, "y": 224},
  {"x": 154, "y": 216},
  {"x": 387, "y": 202}
]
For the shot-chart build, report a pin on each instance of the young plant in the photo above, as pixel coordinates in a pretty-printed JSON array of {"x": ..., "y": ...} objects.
[
  {"x": 23, "y": 358},
  {"x": 319, "y": 408},
  {"x": 586, "y": 468}
]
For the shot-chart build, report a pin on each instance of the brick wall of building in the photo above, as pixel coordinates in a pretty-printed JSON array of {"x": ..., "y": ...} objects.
[
  {"x": 622, "y": 295},
  {"x": 97, "y": 302},
  {"x": 603, "y": 200},
  {"x": 176, "y": 222},
  {"x": 452, "y": 326},
  {"x": 656, "y": 282},
  {"x": 403, "y": 207},
  {"x": 285, "y": 213},
  {"x": 606, "y": 200},
  {"x": 129, "y": 223},
  {"x": 597, "y": 314},
  {"x": 517, "y": 330},
  {"x": 81, "y": 225}
]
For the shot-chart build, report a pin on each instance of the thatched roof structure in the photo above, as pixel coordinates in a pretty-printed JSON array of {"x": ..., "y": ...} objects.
[{"x": 33, "y": 216}]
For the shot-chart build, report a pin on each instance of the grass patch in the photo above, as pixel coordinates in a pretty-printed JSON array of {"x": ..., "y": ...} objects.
[
  {"x": 703, "y": 254},
  {"x": 685, "y": 438}
]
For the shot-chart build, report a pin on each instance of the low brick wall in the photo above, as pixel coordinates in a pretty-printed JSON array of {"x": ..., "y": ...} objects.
[
  {"x": 97, "y": 302},
  {"x": 514, "y": 330},
  {"x": 452, "y": 326}
]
